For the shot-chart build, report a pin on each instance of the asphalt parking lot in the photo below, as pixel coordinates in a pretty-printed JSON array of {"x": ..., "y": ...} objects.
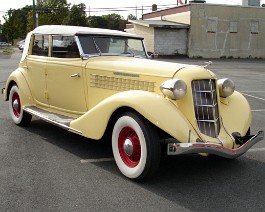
[{"x": 44, "y": 168}]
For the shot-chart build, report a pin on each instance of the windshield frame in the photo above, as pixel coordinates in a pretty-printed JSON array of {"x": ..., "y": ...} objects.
[{"x": 98, "y": 52}]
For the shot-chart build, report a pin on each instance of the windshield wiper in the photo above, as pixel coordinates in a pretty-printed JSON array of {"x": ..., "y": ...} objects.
[
  {"x": 98, "y": 49},
  {"x": 130, "y": 51}
]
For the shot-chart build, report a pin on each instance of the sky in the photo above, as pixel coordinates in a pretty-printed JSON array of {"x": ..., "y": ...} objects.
[{"x": 94, "y": 5}]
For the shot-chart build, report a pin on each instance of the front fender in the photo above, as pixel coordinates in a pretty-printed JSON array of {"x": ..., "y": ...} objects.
[
  {"x": 16, "y": 77},
  {"x": 155, "y": 108},
  {"x": 236, "y": 114}
]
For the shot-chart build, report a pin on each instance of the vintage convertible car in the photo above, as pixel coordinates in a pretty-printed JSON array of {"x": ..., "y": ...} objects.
[{"x": 97, "y": 82}]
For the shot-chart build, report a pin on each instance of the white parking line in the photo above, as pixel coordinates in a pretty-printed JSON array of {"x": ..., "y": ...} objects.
[
  {"x": 252, "y": 91},
  {"x": 97, "y": 160},
  {"x": 254, "y": 97},
  {"x": 257, "y": 150},
  {"x": 260, "y": 110}
]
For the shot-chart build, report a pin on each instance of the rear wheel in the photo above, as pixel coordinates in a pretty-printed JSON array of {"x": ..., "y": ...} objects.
[
  {"x": 20, "y": 117},
  {"x": 136, "y": 146}
]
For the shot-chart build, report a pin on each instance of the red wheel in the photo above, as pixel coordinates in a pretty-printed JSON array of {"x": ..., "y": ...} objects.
[
  {"x": 129, "y": 147},
  {"x": 16, "y": 104},
  {"x": 135, "y": 146},
  {"x": 17, "y": 114}
]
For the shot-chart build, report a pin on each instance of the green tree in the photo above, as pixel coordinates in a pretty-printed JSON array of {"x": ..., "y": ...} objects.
[
  {"x": 98, "y": 22},
  {"x": 15, "y": 24},
  {"x": 110, "y": 21},
  {"x": 131, "y": 17},
  {"x": 76, "y": 16},
  {"x": 115, "y": 21},
  {"x": 53, "y": 11}
]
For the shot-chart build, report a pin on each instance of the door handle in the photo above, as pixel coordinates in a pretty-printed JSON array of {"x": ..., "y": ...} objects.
[{"x": 76, "y": 75}]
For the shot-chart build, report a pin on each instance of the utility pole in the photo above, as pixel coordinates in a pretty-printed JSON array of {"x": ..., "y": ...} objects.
[
  {"x": 34, "y": 24},
  {"x": 37, "y": 13}
]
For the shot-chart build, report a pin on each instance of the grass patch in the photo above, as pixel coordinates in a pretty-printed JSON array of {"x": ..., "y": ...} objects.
[{"x": 7, "y": 51}]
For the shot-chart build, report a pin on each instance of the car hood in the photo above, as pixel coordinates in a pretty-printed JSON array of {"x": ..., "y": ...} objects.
[{"x": 132, "y": 65}]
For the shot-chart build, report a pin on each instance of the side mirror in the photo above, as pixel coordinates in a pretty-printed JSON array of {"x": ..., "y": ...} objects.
[{"x": 153, "y": 55}]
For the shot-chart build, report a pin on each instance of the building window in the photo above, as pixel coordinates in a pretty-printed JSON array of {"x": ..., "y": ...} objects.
[
  {"x": 254, "y": 27},
  {"x": 212, "y": 25},
  {"x": 233, "y": 27}
]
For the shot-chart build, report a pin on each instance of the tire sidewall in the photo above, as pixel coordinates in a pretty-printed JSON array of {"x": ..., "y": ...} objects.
[
  {"x": 128, "y": 121},
  {"x": 16, "y": 119}
]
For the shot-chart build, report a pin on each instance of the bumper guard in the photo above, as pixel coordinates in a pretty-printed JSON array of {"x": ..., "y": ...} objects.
[{"x": 215, "y": 149}]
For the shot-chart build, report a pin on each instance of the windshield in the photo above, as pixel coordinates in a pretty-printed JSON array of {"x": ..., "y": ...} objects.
[{"x": 102, "y": 45}]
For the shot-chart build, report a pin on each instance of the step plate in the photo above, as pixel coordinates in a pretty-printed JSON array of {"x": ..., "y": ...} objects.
[{"x": 53, "y": 118}]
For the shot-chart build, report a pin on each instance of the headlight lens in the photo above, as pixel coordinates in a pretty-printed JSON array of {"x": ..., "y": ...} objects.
[
  {"x": 226, "y": 87},
  {"x": 174, "y": 88}
]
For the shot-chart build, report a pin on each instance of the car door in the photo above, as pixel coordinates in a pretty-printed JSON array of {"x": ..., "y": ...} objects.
[
  {"x": 65, "y": 80},
  {"x": 36, "y": 68}
]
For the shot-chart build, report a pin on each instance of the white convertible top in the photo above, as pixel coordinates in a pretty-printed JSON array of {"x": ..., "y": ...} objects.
[{"x": 73, "y": 30}]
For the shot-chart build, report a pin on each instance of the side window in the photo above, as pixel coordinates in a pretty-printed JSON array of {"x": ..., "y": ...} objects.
[
  {"x": 64, "y": 47},
  {"x": 40, "y": 45}
]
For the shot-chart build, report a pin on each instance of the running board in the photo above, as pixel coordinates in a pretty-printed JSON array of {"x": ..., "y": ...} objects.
[{"x": 53, "y": 118}]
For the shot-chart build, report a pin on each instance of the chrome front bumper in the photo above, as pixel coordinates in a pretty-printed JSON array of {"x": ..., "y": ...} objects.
[{"x": 215, "y": 149}]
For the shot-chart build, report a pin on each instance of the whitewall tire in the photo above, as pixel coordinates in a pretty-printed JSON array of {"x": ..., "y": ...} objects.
[
  {"x": 16, "y": 110},
  {"x": 136, "y": 146}
]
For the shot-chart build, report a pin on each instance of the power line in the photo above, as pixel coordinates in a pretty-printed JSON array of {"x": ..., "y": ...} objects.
[{"x": 97, "y": 9}]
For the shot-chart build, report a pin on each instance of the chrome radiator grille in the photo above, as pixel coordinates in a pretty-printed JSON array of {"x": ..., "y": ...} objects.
[{"x": 206, "y": 107}]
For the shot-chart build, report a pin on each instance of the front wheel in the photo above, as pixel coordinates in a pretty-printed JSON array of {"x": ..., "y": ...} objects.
[
  {"x": 135, "y": 146},
  {"x": 20, "y": 117}
]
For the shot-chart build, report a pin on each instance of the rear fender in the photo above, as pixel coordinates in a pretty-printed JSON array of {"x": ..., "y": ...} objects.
[{"x": 16, "y": 77}]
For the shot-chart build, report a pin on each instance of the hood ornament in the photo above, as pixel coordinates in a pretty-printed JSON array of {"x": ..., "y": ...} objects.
[{"x": 207, "y": 64}]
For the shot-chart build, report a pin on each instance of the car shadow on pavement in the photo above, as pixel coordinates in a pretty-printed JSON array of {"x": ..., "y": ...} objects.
[
  {"x": 211, "y": 183},
  {"x": 80, "y": 146},
  {"x": 192, "y": 181}
]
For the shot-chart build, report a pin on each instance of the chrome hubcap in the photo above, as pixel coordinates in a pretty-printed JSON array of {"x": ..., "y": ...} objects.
[
  {"x": 128, "y": 147},
  {"x": 15, "y": 104}
]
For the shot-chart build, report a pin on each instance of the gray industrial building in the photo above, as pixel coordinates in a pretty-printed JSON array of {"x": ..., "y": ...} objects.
[{"x": 205, "y": 30}]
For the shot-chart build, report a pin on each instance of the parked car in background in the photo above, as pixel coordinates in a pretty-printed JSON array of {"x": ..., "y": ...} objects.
[
  {"x": 101, "y": 84},
  {"x": 21, "y": 42},
  {"x": 4, "y": 44},
  {"x": 21, "y": 47}
]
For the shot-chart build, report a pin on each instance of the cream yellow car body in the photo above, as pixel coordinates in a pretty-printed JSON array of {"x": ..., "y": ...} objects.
[
  {"x": 94, "y": 91},
  {"x": 174, "y": 117}
]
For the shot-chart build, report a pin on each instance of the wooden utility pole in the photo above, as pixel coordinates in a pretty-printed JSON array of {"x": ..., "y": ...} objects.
[
  {"x": 37, "y": 13},
  {"x": 34, "y": 24}
]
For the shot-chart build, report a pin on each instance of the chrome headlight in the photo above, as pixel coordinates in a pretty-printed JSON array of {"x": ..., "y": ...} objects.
[
  {"x": 174, "y": 88},
  {"x": 226, "y": 87}
]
